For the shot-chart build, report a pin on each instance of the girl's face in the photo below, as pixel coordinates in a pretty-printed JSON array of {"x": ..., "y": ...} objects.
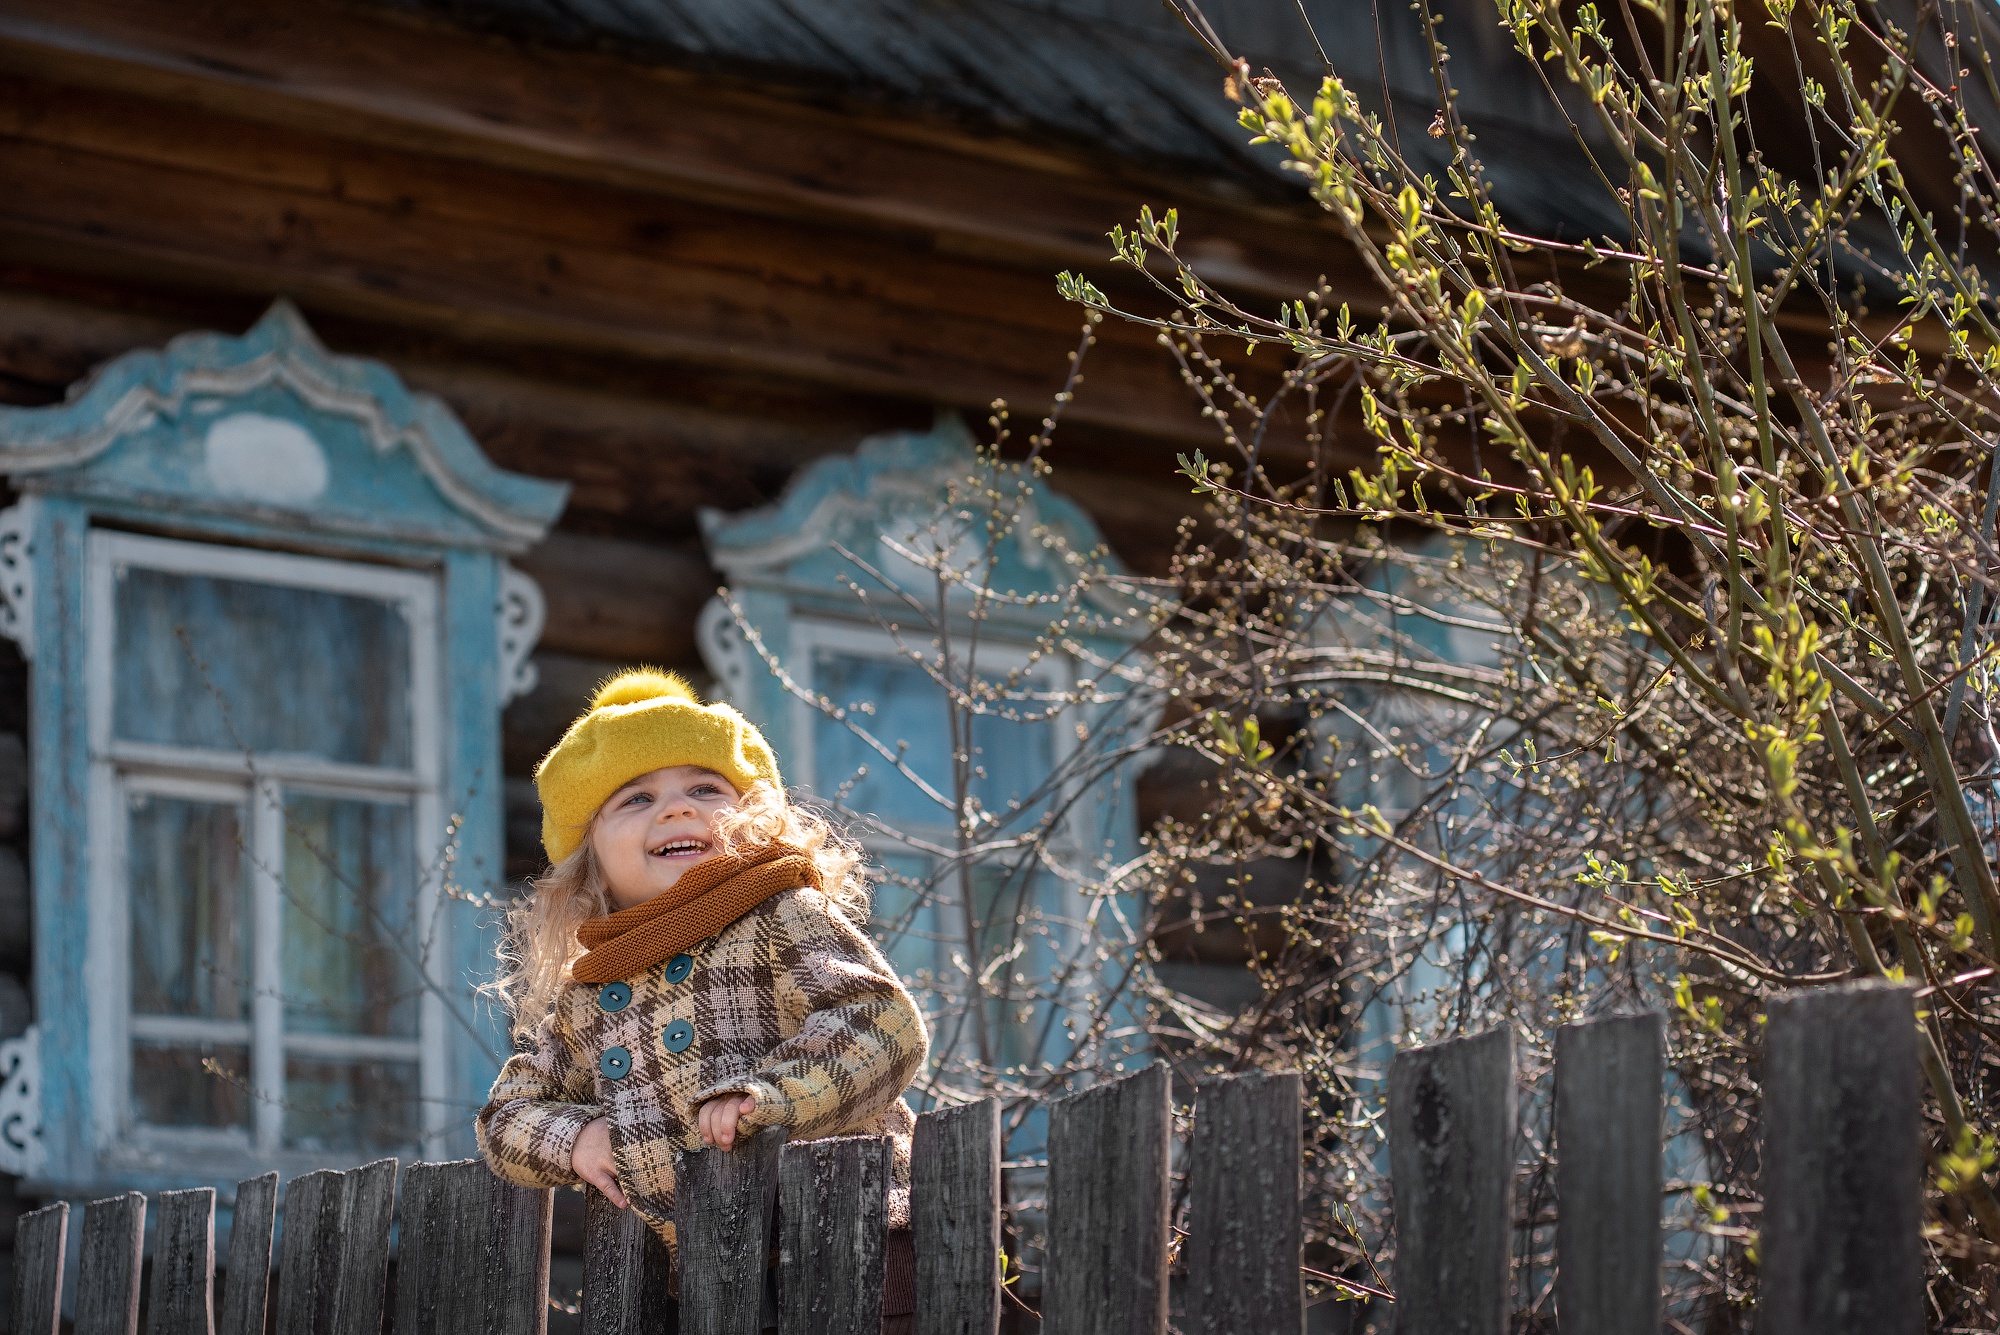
[{"x": 657, "y": 826}]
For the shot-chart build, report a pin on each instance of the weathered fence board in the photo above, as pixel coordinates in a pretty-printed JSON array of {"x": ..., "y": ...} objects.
[
  {"x": 246, "y": 1285},
  {"x": 107, "y": 1270},
  {"x": 723, "y": 1207},
  {"x": 833, "y": 1204},
  {"x": 335, "y": 1257},
  {"x": 182, "y": 1299},
  {"x": 955, "y": 1219},
  {"x": 1106, "y": 1269},
  {"x": 1451, "y": 1168},
  {"x": 1609, "y": 1174},
  {"x": 1245, "y": 1236},
  {"x": 626, "y": 1273},
  {"x": 39, "y": 1239},
  {"x": 1843, "y": 1164},
  {"x": 474, "y": 1253}
]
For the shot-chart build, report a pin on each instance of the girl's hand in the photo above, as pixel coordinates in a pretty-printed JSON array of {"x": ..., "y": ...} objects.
[
  {"x": 590, "y": 1159},
  {"x": 717, "y": 1118}
]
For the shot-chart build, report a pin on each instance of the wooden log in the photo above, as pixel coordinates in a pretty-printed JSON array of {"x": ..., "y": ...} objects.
[
  {"x": 474, "y": 1254},
  {"x": 1245, "y": 1234},
  {"x": 627, "y": 1274},
  {"x": 39, "y": 1240},
  {"x": 955, "y": 1219},
  {"x": 182, "y": 1299},
  {"x": 419, "y": 239},
  {"x": 1451, "y": 1165},
  {"x": 833, "y": 1202},
  {"x": 1610, "y": 1077},
  {"x": 246, "y": 1287},
  {"x": 1106, "y": 1268},
  {"x": 723, "y": 1208},
  {"x": 107, "y": 1271},
  {"x": 1843, "y": 1164},
  {"x": 335, "y": 1259}
]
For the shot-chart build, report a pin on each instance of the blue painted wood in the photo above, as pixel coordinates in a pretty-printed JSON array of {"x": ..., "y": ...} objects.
[
  {"x": 59, "y": 760},
  {"x": 472, "y": 791},
  {"x": 144, "y": 428},
  {"x": 371, "y": 470}
]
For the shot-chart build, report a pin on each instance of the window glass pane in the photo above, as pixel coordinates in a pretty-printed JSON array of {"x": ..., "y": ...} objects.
[
  {"x": 350, "y": 903},
  {"x": 170, "y": 1087},
  {"x": 911, "y": 709},
  {"x": 190, "y": 907},
  {"x": 365, "y": 1106},
  {"x": 302, "y": 671}
]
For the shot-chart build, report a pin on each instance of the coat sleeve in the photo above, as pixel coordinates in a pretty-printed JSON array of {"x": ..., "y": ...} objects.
[
  {"x": 861, "y": 1039},
  {"x": 539, "y": 1103}
]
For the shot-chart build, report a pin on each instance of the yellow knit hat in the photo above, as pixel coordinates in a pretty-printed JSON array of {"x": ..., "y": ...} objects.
[{"x": 640, "y": 721}]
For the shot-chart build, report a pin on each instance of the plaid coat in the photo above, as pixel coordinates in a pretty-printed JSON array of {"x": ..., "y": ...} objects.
[{"x": 790, "y": 1002}]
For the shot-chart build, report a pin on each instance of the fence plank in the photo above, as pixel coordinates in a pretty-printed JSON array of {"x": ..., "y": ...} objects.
[
  {"x": 1609, "y": 1174},
  {"x": 1106, "y": 1269},
  {"x": 1451, "y": 1165},
  {"x": 955, "y": 1219},
  {"x": 627, "y": 1274},
  {"x": 1843, "y": 1164},
  {"x": 309, "y": 1256},
  {"x": 366, "y": 1215},
  {"x": 246, "y": 1284},
  {"x": 723, "y": 1212},
  {"x": 1245, "y": 1236},
  {"x": 182, "y": 1300},
  {"x": 107, "y": 1272},
  {"x": 335, "y": 1258},
  {"x": 39, "y": 1239},
  {"x": 833, "y": 1200},
  {"x": 474, "y": 1253}
]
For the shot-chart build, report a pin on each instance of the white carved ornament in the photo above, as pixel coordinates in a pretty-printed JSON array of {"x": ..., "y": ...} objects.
[
  {"x": 518, "y": 619},
  {"x": 17, "y": 575},
  {"x": 21, "y": 1150},
  {"x": 724, "y": 650}
]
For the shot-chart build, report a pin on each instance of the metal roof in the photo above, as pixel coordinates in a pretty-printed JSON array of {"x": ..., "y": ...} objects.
[{"x": 1120, "y": 79}]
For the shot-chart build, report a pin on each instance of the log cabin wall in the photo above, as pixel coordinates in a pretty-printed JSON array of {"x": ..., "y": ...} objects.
[{"x": 666, "y": 286}]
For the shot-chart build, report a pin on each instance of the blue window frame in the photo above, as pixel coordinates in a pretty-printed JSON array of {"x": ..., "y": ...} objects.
[
  {"x": 270, "y": 623},
  {"x": 792, "y": 572}
]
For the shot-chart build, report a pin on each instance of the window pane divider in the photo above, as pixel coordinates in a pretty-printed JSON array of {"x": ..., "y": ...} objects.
[
  {"x": 189, "y": 1029},
  {"x": 287, "y": 769},
  {"x": 350, "y": 1047}
]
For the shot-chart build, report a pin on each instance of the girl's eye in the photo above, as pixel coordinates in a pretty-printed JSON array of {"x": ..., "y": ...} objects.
[
  {"x": 637, "y": 798},
  {"x": 705, "y": 790}
]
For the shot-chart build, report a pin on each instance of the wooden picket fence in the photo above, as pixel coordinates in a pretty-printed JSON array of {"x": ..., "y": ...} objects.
[{"x": 1843, "y": 1166}]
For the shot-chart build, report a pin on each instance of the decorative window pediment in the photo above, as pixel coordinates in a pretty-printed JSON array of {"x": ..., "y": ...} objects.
[
  {"x": 264, "y": 593},
  {"x": 271, "y": 428}
]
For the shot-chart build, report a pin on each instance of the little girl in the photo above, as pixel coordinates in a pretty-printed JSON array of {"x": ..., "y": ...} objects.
[{"x": 692, "y": 966}]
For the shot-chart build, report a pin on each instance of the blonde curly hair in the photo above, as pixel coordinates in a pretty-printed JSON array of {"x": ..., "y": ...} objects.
[{"x": 540, "y": 945}]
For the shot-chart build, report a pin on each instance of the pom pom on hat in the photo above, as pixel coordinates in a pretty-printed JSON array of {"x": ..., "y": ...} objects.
[
  {"x": 637, "y": 685},
  {"x": 639, "y": 721}
]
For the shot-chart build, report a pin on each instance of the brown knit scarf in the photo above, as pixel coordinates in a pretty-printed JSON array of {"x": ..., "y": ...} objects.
[{"x": 708, "y": 897}]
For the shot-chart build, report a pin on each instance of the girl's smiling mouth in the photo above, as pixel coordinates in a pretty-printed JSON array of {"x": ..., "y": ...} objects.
[{"x": 680, "y": 848}]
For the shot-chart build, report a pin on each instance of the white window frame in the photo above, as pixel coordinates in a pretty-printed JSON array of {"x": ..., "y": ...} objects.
[{"x": 122, "y": 769}]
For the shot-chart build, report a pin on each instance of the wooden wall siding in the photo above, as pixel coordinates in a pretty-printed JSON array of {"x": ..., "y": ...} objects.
[
  {"x": 263, "y": 198},
  {"x": 596, "y": 118}
]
